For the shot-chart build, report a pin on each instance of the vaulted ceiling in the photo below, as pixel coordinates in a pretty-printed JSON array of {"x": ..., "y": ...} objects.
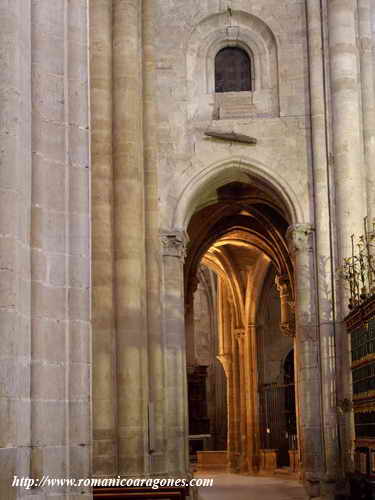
[{"x": 243, "y": 225}]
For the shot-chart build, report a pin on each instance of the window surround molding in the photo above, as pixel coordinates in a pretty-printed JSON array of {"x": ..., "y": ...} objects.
[{"x": 247, "y": 32}]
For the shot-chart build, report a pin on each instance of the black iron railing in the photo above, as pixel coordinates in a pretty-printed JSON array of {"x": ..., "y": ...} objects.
[{"x": 278, "y": 428}]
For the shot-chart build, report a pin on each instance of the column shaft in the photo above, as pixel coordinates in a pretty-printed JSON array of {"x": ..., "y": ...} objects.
[
  {"x": 236, "y": 401},
  {"x": 253, "y": 443},
  {"x": 349, "y": 173},
  {"x": 103, "y": 314},
  {"x": 349, "y": 169},
  {"x": 153, "y": 258},
  {"x": 373, "y": 39},
  {"x": 15, "y": 272},
  {"x": 129, "y": 229},
  {"x": 225, "y": 357},
  {"x": 189, "y": 326},
  {"x": 368, "y": 98},
  {"x": 231, "y": 439},
  {"x": 60, "y": 239},
  {"x": 173, "y": 248},
  {"x": 78, "y": 245},
  {"x": 242, "y": 398},
  {"x": 307, "y": 354},
  {"x": 324, "y": 248}
]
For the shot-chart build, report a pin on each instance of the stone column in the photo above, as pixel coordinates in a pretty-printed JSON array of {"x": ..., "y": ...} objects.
[
  {"x": 373, "y": 38},
  {"x": 368, "y": 98},
  {"x": 46, "y": 222},
  {"x": 78, "y": 240},
  {"x": 224, "y": 315},
  {"x": 326, "y": 258},
  {"x": 103, "y": 316},
  {"x": 45, "y": 292},
  {"x": 152, "y": 224},
  {"x": 172, "y": 297},
  {"x": 243, "y": 385},
  {"x": 225, "y": 358},
  {"x": 235, "y": 402},
  {"x": 60, "y": 239},
  {"x": 300, "y": 239},
  {"x": 253, "y": 444},
  {"x": 349, "y": 174},
  {"x": 226, "y": 361},
  {"x": 221, "y": 324},
  {"x": 349, "y": 168},
  {"x": 189, "y": 328},
  {"x": 15, "y": 272},
  {"x": 129, "y": 229}
]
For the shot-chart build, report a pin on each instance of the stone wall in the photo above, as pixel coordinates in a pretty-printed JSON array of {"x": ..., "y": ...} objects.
[
  {"x": 45, "y": 244},
  {"x": 312, "y": 114},
  {"x": 307, "y": 119}
]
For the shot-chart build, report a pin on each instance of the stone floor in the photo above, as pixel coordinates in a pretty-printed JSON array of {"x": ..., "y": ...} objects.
[{"x": 237, "y": 487}]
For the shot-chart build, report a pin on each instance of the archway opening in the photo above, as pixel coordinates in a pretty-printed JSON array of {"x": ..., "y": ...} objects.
[{"x": 239, "y": 296}]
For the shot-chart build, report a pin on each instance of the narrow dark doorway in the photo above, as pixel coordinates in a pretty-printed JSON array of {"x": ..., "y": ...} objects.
[{"x": 278, "y": 414}]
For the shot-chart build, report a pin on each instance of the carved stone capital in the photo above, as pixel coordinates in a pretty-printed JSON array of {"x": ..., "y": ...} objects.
[
  {"x": 344, "y": 406},
  {"x": 288, "y": 322},
  {"x": 173, "y": 244},
  {"x": 282, "y": 284},
  {"x": 239, "y": 334},
  {"x": 300, "y": 238},
  {"x": 288, "y": 329}
]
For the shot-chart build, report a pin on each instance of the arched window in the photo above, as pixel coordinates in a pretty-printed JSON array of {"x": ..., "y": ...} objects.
[{"x": 232, "y": 70}]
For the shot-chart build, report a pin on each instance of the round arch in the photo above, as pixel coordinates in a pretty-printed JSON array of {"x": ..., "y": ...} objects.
[{"x": 200, "y": 190}]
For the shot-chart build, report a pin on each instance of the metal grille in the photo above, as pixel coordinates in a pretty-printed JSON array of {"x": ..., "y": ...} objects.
[
  {"x": 365, "y": 425},
  {"x": 364, "y": 379},
  {"x": 363, "y": 341},
  {"x": 232, "y": 70},
  {"x": 278, "y": 417}
]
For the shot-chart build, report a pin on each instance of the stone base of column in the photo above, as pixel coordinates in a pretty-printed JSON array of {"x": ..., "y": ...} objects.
[
  {"x": 243, "y": 465},
  {"x": 234, "y": 459},
  {"x": 268, "y": 460},
  {"x": 212, "y": 461},
  {"x": 294, "y": 460},
  {"x": 325, "y": 490}
]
